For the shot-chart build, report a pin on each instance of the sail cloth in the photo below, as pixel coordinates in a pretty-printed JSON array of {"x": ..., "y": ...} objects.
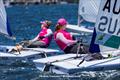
[
  {"x": 4, "y": 26},
  {"x": 108, "y": 24},
  {"x": 88, "y": 9}
]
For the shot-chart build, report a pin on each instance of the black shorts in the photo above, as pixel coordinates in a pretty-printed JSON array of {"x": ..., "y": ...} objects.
[{"x": 74, "y": 48}]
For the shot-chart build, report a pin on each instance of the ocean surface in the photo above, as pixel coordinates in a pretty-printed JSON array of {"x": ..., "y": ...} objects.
[{"x": 25, "y": 25}]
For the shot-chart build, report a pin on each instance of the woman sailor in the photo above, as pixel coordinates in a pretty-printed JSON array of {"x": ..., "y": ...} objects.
[
  {"x": 44, "y": 37},
  {"x": 65, "y": 40}
]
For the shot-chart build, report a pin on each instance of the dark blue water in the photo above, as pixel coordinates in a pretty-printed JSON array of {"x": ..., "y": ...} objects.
[{"x": 24, "y": 22}]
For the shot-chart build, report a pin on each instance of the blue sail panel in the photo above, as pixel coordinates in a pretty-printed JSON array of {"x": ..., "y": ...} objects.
[{"x": 94, "y": 48}]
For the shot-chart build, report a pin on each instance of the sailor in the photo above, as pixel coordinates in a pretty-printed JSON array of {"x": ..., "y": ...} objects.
[
  {"x": 42, "y": 40},
  {"x": 44, "y": 37},
  {"x": 65, "y": 40}
]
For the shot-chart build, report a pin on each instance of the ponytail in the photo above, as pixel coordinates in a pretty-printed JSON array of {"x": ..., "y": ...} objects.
[{"x": 58, "y": 27}]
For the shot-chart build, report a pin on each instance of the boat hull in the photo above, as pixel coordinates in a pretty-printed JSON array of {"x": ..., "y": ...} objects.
[
  {"x": 28, "y": 54},
  {"x": 68, "y": 64}
]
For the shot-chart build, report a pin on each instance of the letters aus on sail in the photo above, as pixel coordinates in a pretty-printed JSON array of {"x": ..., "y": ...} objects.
[{"x": 108, "y": 24}]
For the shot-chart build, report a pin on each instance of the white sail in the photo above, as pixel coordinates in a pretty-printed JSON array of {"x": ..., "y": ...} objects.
[
  {"x": 4, "y": 28},
  {"x": 108, "y": 24},
  {"x": 88, "y": 9}
]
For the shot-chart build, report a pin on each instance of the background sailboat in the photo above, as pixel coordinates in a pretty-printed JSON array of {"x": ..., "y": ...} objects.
[{"x": 87, "y": 11}]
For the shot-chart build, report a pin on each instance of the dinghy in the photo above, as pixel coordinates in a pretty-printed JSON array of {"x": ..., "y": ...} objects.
[
  {"x": 26, "y": 53},
  {"x": 73, "y": 63},
  {"x": 69, "y": 64}
]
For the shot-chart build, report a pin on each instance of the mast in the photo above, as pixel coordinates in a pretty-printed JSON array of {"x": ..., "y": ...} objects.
[{"x": 79, "y": 17}]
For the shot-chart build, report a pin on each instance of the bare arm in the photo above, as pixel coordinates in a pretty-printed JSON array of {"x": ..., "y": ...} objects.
[
  {"x": 35, "y": 39},
  {"x": 49, "y": 33},
  {"x": 61, "y": 37}
]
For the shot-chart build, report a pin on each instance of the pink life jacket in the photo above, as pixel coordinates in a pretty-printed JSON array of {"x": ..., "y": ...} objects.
[
  {"x": 46, "y": 40},
  {"x": 61, "y": 44}
]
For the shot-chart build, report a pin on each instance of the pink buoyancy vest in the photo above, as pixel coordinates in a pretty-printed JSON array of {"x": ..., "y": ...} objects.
[
  {"x": 46, "y": 40},
  {"x": 60, "y": 43}
]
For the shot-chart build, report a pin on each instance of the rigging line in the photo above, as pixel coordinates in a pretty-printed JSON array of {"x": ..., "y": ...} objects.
[
  {"x": 74, "y": 57},
  {"x": 48, "y": 64},
  {"x": 106, "y": 61}
]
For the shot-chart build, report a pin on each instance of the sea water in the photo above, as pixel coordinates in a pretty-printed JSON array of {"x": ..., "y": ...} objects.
[{"x": 25, "y": 25}]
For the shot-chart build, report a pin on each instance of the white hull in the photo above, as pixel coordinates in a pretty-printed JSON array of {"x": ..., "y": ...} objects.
[
  {"x": 27, "y": 54},
  {"x": 76, "y": 28},
  {"x": 67, "y": 64}
]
